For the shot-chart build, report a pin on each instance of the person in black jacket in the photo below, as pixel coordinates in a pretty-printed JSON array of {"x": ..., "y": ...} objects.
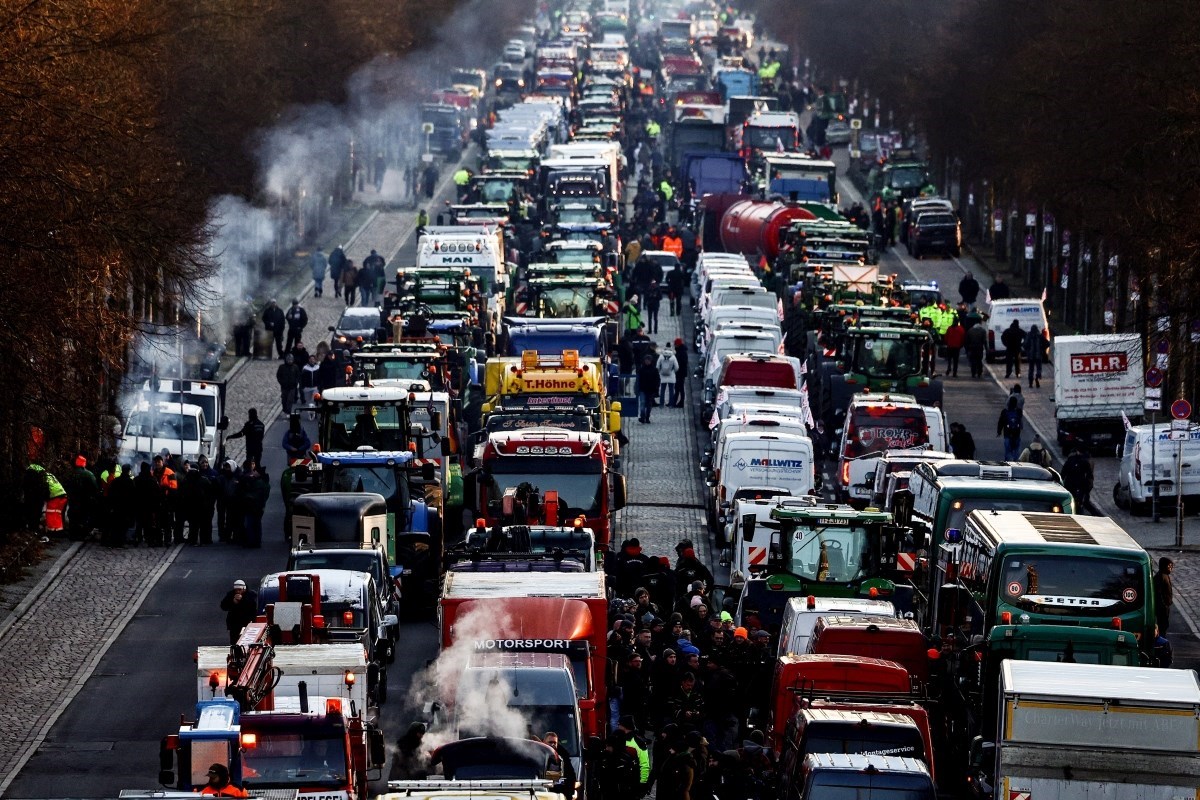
[
  {"x": 274, "y": 321},
  {"x": 241, "y": 608},
  {"x": 688, "y": 568},
  {"x": 968, "y": 289},
  {"x": 676, "y": 286},
  {"x": 253, "y": 431},
  {"x": 681, "y": 377},
  {"x": 297, "y": 319},
  {"x": 1012, "y": 339},
  {"x": 647, "y": 387}
]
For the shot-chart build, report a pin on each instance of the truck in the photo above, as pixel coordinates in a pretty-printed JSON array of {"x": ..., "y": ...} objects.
[
  {"x": 876, "y": 424},
  {"x": 825, "y": 550},
  {"x": 698, "y": 128},
  {"x": 713, "y": 173},
  {"x": 157, "y": 425},
  {"x": 1098, "y": 383},
  {"x": 1154, "y": 455},
  {"x": 757, "y": 464},
  {"x": 546, "y": 474},
  {"x": 560, "y": 612},
  {"x": 798, "y": 177},
  {"x": 866, "y": 777},
  {"x": 257, "y": 716},
  {"x": 755, "y": 228},
  {"x": 479, "y": 248},
  {"x": 1075, "y": 731}
]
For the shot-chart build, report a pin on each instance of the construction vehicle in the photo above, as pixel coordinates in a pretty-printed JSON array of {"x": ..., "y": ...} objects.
[
  {"x": 298, "y": 722},
  {"x": 822, "y": 550}
]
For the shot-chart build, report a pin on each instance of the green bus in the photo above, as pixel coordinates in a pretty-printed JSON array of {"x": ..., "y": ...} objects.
[{"x": 1027, "y": 568}]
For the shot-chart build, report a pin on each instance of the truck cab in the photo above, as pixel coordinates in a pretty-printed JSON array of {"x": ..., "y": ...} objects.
[
  {"x": 864, "y": 777},
  {"x": 847, "y": 731},
  {"x": 154, "y": 426}
]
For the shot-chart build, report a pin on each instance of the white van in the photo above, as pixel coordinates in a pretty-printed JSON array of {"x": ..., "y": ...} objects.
[
  {"x": 757, "y": 396},
  {"x": 801, "y": 613},
  {"x": 761, "y": 465},
  {"x": 1001, "y": 313},
  {"x": 179, "y": 428},
  {"x": 876, "y": 423},
  {"x": 898, "y": 461},
  {"x": 1135, "y": 479},
  {"x": 748, "y": 558}
]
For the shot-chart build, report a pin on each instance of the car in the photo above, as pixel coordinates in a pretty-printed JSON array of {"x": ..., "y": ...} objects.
[
  {"x": 837, "y": 132},
  {"x": 355, "y": 322},
  {"x": 515, "y": 52},
  {"x": 938, "y": 231}
]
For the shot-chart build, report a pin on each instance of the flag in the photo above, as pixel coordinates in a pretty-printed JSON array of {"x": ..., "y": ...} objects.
[
  {"x": 713, "y": 421},
  {"x": 987, "y": 297},
  {"x": 782, "y": 349},
  {"x": 779, "y": 309},
  {"x": 1125, "y": 421},
  {"x": 778, "y": 145},
  {"x": 1043, "y": 294}
]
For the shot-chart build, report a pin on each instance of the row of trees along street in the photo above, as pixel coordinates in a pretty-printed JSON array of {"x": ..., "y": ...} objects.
[
  {"x": 125, "y": 118},
  {"x": 1085, "y": 114}
]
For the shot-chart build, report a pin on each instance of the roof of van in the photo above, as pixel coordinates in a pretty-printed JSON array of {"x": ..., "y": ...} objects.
[
  {"x": 851, "y": 604},
  {"x": 503, "y": 584},
  {"x": 856, "y": 762},
  {"x": 985, "y": 471}
]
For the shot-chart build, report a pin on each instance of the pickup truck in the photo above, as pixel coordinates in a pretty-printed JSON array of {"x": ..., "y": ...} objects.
[{"x": 935, "y": 230}]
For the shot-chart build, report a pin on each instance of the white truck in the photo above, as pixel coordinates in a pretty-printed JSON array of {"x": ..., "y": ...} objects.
[
  {"x": 1097, "y": 379},
  {"x": 763, "y": 465},
  {"x": 179, "y": 428},
  {"x": 1152, "y": 453},
  {"x": 479, "y": 248},
  {"x": 1083, "y": 731},
  {"x": 323, "y": 668}
]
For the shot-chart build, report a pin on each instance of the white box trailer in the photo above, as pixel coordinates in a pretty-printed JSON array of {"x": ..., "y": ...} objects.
[
  {"x": 1096, "y": 380},
  {"x": 1085, "y": 731}
]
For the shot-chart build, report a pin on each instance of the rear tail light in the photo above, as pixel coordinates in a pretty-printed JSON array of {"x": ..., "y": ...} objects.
[{"x": 845, "y": 473}]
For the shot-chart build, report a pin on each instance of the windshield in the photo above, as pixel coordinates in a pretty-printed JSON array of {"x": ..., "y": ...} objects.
[
  {"x": 577, "y": 480},
  {"x": 522, "y": 163},
  {"x": 310, "y": 758},
  {"x": 1069, "y": 586},
  {"x": 497, "y": 191},
  {"x": 163, "y": 425},
  {"x": 829, "y": 555},
  {"x": 357, "y": 319},
  {"x": 394, "y": 368},
  {"x": 901, "y": 741},
  {"x": 564, "y": 302},
  {"x": 957, "y": 516},
  {"x": 349, "y": 426},
  {"x": 537, "y": 419},
  {"x": 577, "y": 255},
  {"x": 874, "y": 430},
  {"x": 579, "y": 216},
  {"x": 770, "y": 138},
  {"x": 366, "y": 561},
  {"x": 380, "y": 479},
  {"x": 888, "y": 358},
  {"x": 907, "y": 177},
  {"x": 847, "y": 785}
]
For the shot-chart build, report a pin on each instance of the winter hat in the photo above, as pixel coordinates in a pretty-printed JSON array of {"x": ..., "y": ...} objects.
[
  {"x": 697, "y": 601},
  {"x": 80, "y": 461},
  {"x": 239, "y": 584},
  {"x": 726, "y": 616},
  {"x": 740, "y": 632},
  {"x": 689, "y": 650}
]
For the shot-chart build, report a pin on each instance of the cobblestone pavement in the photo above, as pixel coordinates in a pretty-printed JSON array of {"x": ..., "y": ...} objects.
[
  {"x": 666, "y": 501},
  {"x": 52, "y": 649}
]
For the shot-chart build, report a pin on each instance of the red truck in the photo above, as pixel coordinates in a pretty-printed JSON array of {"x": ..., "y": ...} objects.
[
  {"x": 891, "y": 638},
  {"x": 552, "y": 612},
  {"x": 520, "y": 467},
  {"x": 797, "y": 675}
]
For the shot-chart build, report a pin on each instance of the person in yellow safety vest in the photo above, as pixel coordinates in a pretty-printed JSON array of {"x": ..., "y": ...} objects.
[
  {"x": 943, "y": 319},
  {"x": 45, "y": 499},
  {"x": 653, "y": 129},
  {"x": 462, "y": 177},
  {"x": 627, "y": 727},
  {"x": 928, "y": 312}
]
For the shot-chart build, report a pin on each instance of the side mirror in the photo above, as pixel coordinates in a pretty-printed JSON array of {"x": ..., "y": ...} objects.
[
  {"x": 223, "y": 424},
  {"x": 332, "y": 329},
  {"x": 618, "y": 492},
  {"x": 166, "y": 764},
  {"x": 378, "y": 749},
  {"x": 445, "y": 448},
  {"x": 390, "y": 620},
  {"x": 748, "y": 524},
  {"x": 706, "y": 460},
  {"x": 435, "y": 419}
]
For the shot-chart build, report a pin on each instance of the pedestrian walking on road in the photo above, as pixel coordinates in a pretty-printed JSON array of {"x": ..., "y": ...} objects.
[
  {"x": 147, "y": 501},
  {"x": 309, "y": 381},
  {"x": 1036, "y": 453},
  {"x": 1012, "y": 339},
  {"x": 319, "y": 265},
  {"x": 1009, "y": 425},
  {"x": 653, "y": 302},
  {"x": 1078, "y": 478},
  {"x": 1163, "y": 657},
  {"x": 968, "y": 289},
  {"x": 120, "y": 507},
  {"x": 668, "y": 369},
  {"x": 228, "y": 515},
  {"x": 975, "y": 342},
  {"x": 962, "y": 443},
  {"x": 253, "y": 431},
  {"x": 956, "y": 336},
  {"x": 241, "y": 608},
  {"x": 380, "y": 171},
  {"x": 288, "y": 377},
  {"x": 676, "y": 286},
  {"x": 373, "y": 265},
  {"x": 1034, "y": 346},
  {"x": 999, "y": 290},
  {"x": 1164, "y": 594},
  {"x": 1015, "y": 394},
  {"x": 274, "y": 321},
  {"x": 349, "y": 282},
  {"x": 297, "y": 319},
  {"x": 337, "y": 263},
  {"x": 83, "y": 500},
  {"x": 648, "y": 383},
  {"x": 633, "y": 315}
]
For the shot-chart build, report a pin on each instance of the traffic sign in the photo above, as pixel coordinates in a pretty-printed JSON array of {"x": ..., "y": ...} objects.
[
  {"x": 1154, "y": 392},
  {"x": 1153, "y": 405},
  {"x": 1181, "y": 409},
  {"x": 1180, "y": 425},
  {"x": 1177, "y": 436},
  {"x": 427, "y": 127},
  {"x": 855, "y": 124},
  {"x": 1154, "y": 377}
]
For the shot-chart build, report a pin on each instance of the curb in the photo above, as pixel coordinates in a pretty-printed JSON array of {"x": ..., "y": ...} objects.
[
  {"x": 80, "y": 679},
  {"x": 32, "y": 596}
]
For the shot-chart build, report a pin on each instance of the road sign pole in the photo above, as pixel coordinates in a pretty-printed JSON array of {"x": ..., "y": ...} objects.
[
  {"x": 1179, "y": 496},
  {"x": 1154, "y": 467}
]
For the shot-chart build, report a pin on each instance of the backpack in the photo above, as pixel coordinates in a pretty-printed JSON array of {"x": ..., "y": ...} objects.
[{"x": 1012, "y": 423}]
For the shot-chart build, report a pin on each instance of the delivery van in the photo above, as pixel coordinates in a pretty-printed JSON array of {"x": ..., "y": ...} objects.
[
  {"x": 1001, "y": 313},
  {"x": 877, "y": 423},
  {"x": 761, "y": 465},
  {"x": 1149, "y": 453},
  {"x": 1098, "y": 383}
]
